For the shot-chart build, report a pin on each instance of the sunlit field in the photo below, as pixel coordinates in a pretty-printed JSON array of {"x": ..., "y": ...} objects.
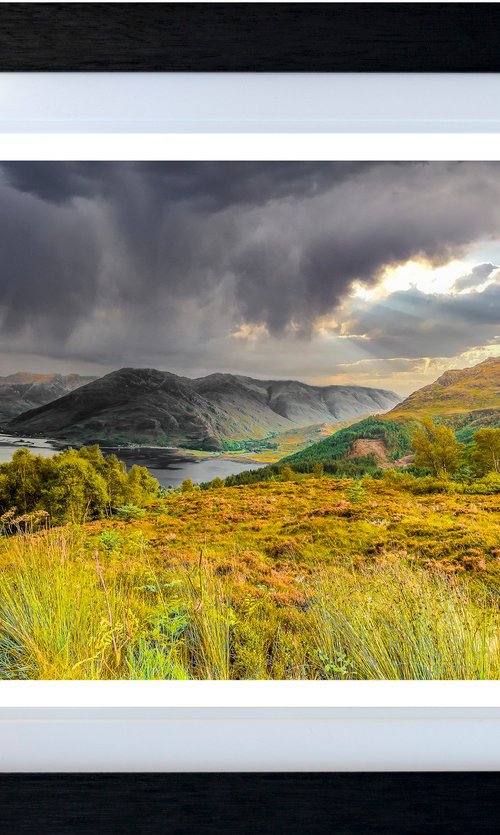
[{"x": 306, "y": 578}]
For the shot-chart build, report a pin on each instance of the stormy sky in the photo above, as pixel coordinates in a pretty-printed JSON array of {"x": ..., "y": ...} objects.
[{"x": 379, "y": 274}]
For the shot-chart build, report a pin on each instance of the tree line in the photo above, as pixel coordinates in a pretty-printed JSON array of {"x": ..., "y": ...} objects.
[
  {"x": 73, "y": 485},
  {"x": 437, "y": 453}
]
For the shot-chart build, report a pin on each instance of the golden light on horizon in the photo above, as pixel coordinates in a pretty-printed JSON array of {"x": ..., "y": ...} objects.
[{"x": 418, "y": 274}]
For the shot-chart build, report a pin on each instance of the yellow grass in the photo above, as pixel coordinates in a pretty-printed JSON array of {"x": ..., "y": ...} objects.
[{"x": 310, "y": 578}]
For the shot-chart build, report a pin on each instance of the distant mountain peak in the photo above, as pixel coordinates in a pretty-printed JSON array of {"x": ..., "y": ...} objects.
[
  {"x": 23, "y": 390},
  {"x": 145, "y": 405}
]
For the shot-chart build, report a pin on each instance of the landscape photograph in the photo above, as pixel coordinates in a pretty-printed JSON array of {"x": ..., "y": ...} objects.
[{"x": 250, "y": 421}]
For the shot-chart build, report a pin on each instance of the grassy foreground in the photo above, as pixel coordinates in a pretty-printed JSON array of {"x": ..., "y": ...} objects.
[{"x": 314, "y": 578}]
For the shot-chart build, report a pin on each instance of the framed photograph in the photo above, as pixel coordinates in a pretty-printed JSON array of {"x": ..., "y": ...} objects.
[{"x": 250, "y": 433}]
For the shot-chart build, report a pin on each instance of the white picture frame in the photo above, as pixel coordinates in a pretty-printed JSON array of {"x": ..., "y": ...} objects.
[{"x": 48, "y": 726}]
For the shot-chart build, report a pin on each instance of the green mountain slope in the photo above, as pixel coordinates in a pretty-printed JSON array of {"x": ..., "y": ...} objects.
[
  {"x": 394, "y": 435},
  {"x": 456, "y": 392},
  {"x": 466, "y": 399}
]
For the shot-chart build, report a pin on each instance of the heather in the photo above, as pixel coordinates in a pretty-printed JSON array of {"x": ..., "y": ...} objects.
[{"x": 312, "y": 577}]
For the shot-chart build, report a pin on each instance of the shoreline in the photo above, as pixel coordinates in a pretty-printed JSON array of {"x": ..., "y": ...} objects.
[{"x": 183, "y": 454}]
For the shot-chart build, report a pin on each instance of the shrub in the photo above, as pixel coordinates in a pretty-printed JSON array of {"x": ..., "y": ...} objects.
[
  {"x": 430, "y": 484},
  {"x": 130, "y": 511},
  {"x": 488, "y": 485},
  {"x": 356, "y": 493},
  {"x": 399, "y": 480},
  {"x": 110, "y": 541}
]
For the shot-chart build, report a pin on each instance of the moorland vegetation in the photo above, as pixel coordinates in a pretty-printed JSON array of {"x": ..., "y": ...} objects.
[{"x": 298, "y": 572}]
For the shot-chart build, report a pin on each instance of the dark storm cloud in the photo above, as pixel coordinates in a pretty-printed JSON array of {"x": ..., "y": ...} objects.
[
  {"x": 213, "y": 185},
  {"x": 49, "y": 263},
  {"x": 101, "y": 259},
  {"x": 57, "y": 182},
  {"x": 301, "y": 269}
]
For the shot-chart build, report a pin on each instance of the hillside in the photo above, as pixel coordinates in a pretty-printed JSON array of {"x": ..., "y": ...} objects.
[
  {"x": 150, "y": 406},
  {"x": 22, "y": 391},
  {"x": 467, "y": 399},
  {"x": 386, "y": 440},
  {"x": 456, "y": 392}
]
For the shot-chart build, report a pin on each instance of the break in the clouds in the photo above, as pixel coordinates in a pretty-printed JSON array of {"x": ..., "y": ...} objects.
[
  {"x": 412, "y": 323},
  {"x": 273, "y": 269},
  {"x": 477, "y": 276}
]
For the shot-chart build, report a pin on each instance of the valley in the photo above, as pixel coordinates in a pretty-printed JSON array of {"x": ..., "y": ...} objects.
[
  {"x": 216, "y": 413},
  {"x": 236, "y": 422},
  {"x": 350, "y": 550}
]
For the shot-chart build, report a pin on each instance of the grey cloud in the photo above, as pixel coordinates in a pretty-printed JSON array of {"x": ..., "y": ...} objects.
[
  {"x": 213, "y": 185},
  {"x": 303, "y": 267},
  {"x": 49, "y": 264},
  {"x": 414, "y": 324},
  {"x": 143, "y": 260},
  {"x": 477, "y": 276}
]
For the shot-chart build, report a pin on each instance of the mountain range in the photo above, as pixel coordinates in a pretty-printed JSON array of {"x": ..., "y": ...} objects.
[
  {"x": 134, "y": 405},
  {"x": 22, "y": 391}
]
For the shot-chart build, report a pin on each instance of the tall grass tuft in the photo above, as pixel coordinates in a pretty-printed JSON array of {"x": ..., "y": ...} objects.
[
  {"x": 56, "y": 622},
  {"x": 400, "y": 622},
  {"x": 210, "y": 624}
]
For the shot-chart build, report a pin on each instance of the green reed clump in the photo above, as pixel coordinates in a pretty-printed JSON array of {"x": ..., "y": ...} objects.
[
  {"x": 400, "y": 622},
  {"x": 58, "y": 618}
]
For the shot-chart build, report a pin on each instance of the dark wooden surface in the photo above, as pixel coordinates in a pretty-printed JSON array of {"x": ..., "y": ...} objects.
[
  {"x": 278, "y": 804},
  {"x": 416, "y": 37}
]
